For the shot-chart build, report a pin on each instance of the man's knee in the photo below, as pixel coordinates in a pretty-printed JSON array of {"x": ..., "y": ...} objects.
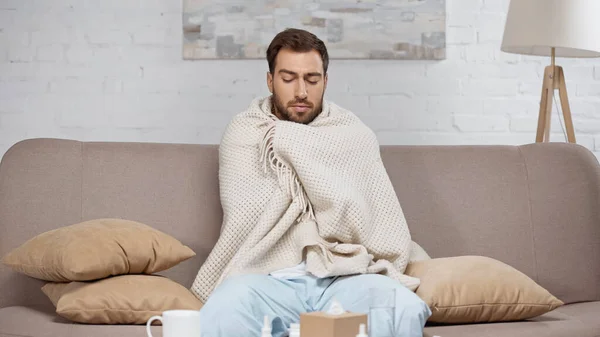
[
  {"x": 235, "y": 298},
  {"x": 373, "y": 281},
  {"x": 411, "y": 310},
  {"x": 247, "y": 281},
  {"x": 236, "y": 291},
  {"x": 406, "y": 299}
]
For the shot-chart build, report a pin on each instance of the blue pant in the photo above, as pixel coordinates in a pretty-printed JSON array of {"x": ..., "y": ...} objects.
[{"x": 237, "y": 307}]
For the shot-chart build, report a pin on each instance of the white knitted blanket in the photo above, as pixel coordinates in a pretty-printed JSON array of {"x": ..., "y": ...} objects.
[{"x": 317, "y": 192}]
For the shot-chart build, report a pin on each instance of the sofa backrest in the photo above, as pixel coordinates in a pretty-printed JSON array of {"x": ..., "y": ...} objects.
[{"x": 535, "y": 207}]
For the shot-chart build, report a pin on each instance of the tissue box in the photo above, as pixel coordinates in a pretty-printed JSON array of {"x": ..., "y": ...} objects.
[{"x": 321, "y": 324}]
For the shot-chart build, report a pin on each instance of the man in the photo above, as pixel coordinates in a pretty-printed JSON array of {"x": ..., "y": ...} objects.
[{"x": 310, "y": 215}]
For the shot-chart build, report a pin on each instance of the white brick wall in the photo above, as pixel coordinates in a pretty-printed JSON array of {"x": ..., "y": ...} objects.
[{"x": 112, "y": 70}]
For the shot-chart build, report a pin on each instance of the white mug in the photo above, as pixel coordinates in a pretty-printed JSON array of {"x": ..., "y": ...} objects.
[{"x": 177, "y": 323}]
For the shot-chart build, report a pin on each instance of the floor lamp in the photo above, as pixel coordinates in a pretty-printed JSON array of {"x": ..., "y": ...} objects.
[{"x": 555, "y": 28}]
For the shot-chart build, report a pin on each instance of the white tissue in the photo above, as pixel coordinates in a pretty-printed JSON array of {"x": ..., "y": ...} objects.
[{"x": 335, "y": 308}]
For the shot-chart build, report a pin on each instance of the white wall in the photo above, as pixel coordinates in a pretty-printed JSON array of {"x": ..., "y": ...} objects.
[{"x": 112, "y": 70}]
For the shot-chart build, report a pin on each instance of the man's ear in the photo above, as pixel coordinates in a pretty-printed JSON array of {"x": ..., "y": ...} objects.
[
  {"x": 325, "y": 81},
  {"x": 270, "y": 81}
]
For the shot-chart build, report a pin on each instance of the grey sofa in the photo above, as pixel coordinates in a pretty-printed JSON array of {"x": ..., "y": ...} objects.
[{"x": 535, "y": 207}]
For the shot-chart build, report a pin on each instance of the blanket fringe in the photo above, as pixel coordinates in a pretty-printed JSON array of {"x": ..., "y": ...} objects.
[{"x": 285, "y": 175}]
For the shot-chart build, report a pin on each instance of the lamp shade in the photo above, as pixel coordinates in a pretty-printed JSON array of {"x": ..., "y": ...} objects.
[{"x": 534, "y": 27}]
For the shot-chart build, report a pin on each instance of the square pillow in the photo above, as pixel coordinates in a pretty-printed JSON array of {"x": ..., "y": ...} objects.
[
  {"x": 478, "y": 289},
  {"x": 124, "y": 299},
  {"x": 97, "y": 249}
]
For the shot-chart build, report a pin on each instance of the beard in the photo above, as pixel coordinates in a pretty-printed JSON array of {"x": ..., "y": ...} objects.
[{"x": 282, "y": 112}]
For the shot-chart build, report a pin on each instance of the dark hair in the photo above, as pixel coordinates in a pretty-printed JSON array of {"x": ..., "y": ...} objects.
[{"x": 297, "y": 40}]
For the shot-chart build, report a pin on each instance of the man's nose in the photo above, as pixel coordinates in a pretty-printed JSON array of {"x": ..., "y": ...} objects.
[{"x": 301, "y": 90}]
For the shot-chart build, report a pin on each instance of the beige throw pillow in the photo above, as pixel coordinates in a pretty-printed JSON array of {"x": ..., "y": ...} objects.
[
  {"x": 475, "y": 289},
  {"x": 96, "y": 249},
  {"x": 125, "y": 299}
]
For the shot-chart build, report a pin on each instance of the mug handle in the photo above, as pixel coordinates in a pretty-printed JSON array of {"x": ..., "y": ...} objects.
[{"x": 149, "y": 323}]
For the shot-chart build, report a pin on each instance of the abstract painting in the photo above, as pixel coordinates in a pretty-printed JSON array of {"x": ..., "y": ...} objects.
[{"x": 359, "y": 29}]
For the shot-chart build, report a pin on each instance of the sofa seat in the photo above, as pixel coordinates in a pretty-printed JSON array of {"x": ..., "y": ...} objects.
[
  {"x": 33, "y": 322},
  {"x": 573, "y": 320}
]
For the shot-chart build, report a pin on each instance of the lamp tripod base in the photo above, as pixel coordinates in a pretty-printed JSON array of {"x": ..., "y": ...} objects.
[{"x": 554, "y": 78}]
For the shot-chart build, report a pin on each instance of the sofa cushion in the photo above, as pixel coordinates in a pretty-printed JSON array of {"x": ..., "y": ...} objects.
[
  {"x": 579, "y": 320},
  {"x": 477, "y": 289},
  {"x": 571, "y": 320},
  {"x": 124, "y": 299},
  {"x": 96, "y": 249},
  {"x": 33, "y": 322}
]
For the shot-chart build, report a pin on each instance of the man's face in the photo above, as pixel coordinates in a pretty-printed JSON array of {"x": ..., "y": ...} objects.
[{"x": 298, "y": 85}]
